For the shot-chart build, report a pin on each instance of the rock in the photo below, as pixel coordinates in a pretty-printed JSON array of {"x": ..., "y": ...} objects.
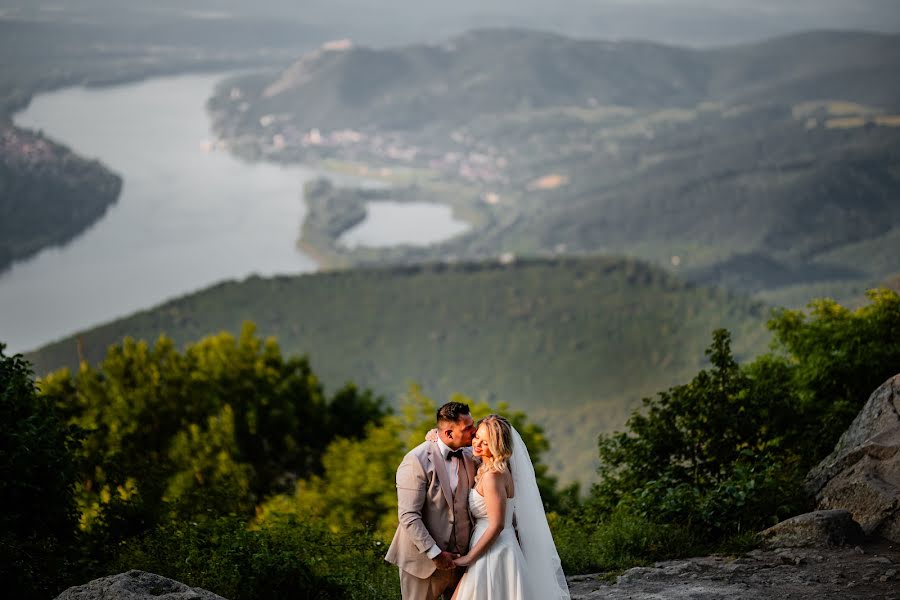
[
  {"x": 136, "y": 585},
  {"x": 818, "y": 528},
  {"x": 825, "y": 573},
  {"x": 862, "y": 475}
]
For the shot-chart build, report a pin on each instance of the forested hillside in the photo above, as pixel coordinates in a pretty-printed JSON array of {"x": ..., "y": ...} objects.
[
  {"x": 47, "y": 193},
  {"x": 576, "y": 342},
  {"x": 769, "y": 167}
]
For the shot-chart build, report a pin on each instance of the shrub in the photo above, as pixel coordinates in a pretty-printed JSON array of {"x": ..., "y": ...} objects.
[
  {"x": 292, "y": 560},
  {"x": 621, "y": 541},
  {"x": 38, "y": 520}
]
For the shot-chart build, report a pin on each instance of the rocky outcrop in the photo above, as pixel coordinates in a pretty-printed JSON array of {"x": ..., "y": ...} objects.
[
  {"x": 829, "y": 573},
  {"x": 819, "y": 528},
  {"x": 862, "y": 475},
  {"x": 136, "y": 585}
]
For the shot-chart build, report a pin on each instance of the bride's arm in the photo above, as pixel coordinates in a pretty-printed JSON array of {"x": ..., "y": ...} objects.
[{"x": 495, "y": 500}]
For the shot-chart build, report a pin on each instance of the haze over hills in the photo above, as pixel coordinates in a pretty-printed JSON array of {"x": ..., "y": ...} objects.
[
  {"x": 688, "y": 22},
  {"x": 762, "y": 166},
  {"x": 574, "y": 342},
  {"x": 493, "y": 71}
]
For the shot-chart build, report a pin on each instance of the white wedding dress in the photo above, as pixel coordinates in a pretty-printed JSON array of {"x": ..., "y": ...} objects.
[
  {"x": 527, "y": 568},
  {"x": 499, "y": 573}
]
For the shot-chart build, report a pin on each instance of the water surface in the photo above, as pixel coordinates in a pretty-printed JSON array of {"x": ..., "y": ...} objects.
[
  {"x": 187, "y": 216},
  {"x": 390, "y": 223}
]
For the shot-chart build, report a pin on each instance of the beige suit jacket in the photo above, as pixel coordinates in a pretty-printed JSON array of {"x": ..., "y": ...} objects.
[{"x": 424, "y": 502}]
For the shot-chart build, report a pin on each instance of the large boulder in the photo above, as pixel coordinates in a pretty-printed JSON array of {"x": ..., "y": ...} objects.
[
  {"x": 862, "y": 475},
  {"x": 136, "y": 585},
  {"x": 819, "y": 528}
]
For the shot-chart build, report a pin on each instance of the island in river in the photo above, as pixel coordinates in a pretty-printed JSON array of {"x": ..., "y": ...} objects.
[{"x": 48, "y": 194}]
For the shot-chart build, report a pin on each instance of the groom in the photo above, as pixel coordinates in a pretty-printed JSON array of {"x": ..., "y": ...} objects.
[{"x": 433, "y": 484}]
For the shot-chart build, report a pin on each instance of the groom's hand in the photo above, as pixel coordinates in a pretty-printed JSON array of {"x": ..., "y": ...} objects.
[{"x": 444, "y": 560}]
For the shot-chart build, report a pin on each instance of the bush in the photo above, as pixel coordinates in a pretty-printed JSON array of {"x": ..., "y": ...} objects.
[
  {"x": 38, "y": 519},
  {"x": 726, "y": 453},
  {"x": 713, "y": 455},
  {"x": 621, "y": 541},
  {"x": 838, "y": 357},
  {"x": 293, "y": 560}
]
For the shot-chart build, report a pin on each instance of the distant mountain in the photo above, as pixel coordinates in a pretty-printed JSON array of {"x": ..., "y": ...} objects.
[
  {"x": 688, "y": 22},
  {"x": 490, "y": 72},
  {"x": 575, "y": 342},
  {"x": 787, "y": 150}
]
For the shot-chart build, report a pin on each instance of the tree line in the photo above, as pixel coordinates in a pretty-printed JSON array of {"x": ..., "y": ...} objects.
[{"x": 226, "y": 465}]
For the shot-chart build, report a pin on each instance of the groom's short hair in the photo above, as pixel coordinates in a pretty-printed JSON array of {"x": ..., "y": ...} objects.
[{"x": 452, "y": 411}]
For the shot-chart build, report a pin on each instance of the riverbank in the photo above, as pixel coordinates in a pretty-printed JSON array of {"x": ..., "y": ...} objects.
[
  {"x": 175, "y": 225},
  {"x": 50, "y": 194}
]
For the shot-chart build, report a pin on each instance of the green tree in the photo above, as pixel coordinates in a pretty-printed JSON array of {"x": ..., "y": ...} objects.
[
  {"x": 703, "y": 454},
  {"x": 357, "y": 492},
  {"x": 38, "y": 520},
  {"x": 838, "y": 357},
  {"x": 211, "y": 482},
  {"x": 227, "y": 417},
  {"x": 729, "y": 450}
]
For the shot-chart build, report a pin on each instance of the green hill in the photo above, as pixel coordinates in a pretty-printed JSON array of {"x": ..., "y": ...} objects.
[
  {"x": 575, "y": 342},
  {"x": 764, "y": 166},
  {"x": 498, "y": 71}
]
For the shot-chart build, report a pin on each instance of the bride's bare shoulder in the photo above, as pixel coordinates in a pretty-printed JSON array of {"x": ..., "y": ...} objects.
[{"x": 496, "y": 482}]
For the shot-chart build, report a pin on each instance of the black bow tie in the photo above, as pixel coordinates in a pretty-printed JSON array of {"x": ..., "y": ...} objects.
[{"x": 456, "y": 453}]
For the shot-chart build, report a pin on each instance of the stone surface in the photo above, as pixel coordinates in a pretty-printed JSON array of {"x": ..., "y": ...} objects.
[
  {"x": 136, "y": 585},
  {"x": 829, "y": 573},
  {"x": 862, "y": 475},
  {"x": 818, "y": 528}
]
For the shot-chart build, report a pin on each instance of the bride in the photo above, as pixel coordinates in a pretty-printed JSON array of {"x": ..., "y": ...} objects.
[{"x": 500, "y": 566}]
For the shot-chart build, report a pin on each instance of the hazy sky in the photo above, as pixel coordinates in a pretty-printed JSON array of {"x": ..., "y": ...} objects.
[{"x": 690, "y": 22}]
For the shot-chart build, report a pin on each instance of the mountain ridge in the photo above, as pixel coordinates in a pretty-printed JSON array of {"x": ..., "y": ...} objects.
[{"x": 686, "y": 158}]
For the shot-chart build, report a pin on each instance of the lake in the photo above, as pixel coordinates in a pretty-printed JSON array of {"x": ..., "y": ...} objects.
[
  {"x": 187, "y": 217},
  {"x": 390, "y": 223}
]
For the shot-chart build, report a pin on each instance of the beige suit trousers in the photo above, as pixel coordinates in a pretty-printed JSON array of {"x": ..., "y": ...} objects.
[{"x": 442, "y": 581}]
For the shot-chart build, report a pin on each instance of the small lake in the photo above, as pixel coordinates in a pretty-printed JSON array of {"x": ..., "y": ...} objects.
[
  {"x": 391, "y": 223},
  {"x": 187, "y": 217}
]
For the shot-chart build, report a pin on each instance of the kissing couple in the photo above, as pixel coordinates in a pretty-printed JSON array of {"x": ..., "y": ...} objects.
[{"x": 472, "y": 523}]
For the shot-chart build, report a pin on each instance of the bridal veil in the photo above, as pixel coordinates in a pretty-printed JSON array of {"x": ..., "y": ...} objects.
[{"x": 545, "y": 575}]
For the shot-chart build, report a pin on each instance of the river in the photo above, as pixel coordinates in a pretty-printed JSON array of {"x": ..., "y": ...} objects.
[{"x": 187, "y": 217}]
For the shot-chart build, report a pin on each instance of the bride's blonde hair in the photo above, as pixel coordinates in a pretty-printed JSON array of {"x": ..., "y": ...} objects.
[{"x": 500, "y": 443}]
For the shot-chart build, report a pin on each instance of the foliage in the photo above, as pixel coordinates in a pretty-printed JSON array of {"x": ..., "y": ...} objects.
[
  {"x": 357, "y": 490},
  {"x": 620, "y": 541},
  {"x": 177, "y": 451},
  {"x": 727, "y": 452},
  {"x": 838, "y": 357},
  {"x": 293, "y": 559},
  {"x": 579, "y": 340},
  {"x": 37, "y": 471},
  {"x": 203, "y": 432},
  {"x": 211, "y": 478},
  {"x": 703, "y": 454}
]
